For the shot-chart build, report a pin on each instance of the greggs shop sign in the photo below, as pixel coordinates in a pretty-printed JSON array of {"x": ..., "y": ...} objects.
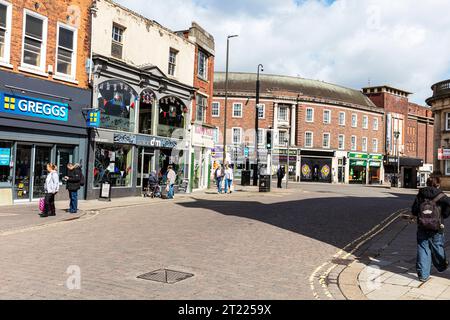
[{"x": 32, "y": 107}]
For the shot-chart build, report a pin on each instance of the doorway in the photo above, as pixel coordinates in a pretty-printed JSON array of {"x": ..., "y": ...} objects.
[{"x": 145, "y": 167}]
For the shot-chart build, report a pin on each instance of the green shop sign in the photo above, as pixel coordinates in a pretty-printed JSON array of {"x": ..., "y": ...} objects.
[
  {"x": 358, "y": 156},
  {"x": 375, "y": 164},
  {"x": 376, "y": 157},
  {"x": 358, "y": 163}
]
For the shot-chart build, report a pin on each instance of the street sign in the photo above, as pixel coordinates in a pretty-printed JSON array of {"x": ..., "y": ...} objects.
[{"x": 443, "y": 154}]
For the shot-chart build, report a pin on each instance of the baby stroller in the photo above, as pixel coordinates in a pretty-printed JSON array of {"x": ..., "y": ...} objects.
[{"x": 152, "y": 191}]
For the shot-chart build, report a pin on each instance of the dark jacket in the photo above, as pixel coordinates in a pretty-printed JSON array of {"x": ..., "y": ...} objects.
[
  {"x": 431, "y": 193},
  {"x": 281, "y": 173},
  {"x": 74, "y": 181},
  {"x": 153, "y": 179}
]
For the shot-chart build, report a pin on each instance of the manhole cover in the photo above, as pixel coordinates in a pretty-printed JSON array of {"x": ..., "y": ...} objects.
[{"x": 166, "y": 276}]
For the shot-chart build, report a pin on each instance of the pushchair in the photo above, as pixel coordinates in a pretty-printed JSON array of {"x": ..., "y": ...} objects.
[{"x": 152, "y": 191}]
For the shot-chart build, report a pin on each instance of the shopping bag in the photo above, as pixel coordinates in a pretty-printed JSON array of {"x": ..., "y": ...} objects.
[{"x": 41, "y": 205}]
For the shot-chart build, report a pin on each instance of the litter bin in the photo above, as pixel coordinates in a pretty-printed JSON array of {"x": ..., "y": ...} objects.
[
  {"x": 264, "y": 183},
  {"x": 245, "y": 177}
]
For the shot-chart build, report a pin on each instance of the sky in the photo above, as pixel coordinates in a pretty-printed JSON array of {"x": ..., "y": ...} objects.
[{"x": 353, "y": 43}]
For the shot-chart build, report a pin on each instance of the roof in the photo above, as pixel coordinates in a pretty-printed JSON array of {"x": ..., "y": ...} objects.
[
  {"x": 387, "y": 87},
  {"x": 246, "y": 82}
]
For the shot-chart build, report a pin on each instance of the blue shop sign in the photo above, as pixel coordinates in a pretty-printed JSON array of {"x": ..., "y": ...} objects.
[
  {"x": 5, "y": 156},
  {"x": 32, "y": 107},
  {"x": 93, "y": 118}
]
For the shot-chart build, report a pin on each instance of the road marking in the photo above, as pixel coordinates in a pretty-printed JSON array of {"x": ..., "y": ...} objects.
[
  {"x": 8, "y": 214},
  {"x": 343, "y": 254}
]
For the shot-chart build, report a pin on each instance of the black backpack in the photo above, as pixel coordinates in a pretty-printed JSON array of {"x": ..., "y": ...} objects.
[
  {"x": 429, "y": 217},
  {"x": 82, "y": 182}
]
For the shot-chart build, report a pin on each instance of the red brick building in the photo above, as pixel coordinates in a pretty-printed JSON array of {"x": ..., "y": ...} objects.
[
  {"x": 201, "y": 129},
  {"x": 44, "y": 92},
  {"x": 414, "y": 124},
  {"x": 334, "y": 134}
]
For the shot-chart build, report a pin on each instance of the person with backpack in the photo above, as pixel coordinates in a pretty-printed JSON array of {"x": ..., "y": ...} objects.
[
  {"x": 74, "y": 181},
  {"x": 431, "y": 207}
]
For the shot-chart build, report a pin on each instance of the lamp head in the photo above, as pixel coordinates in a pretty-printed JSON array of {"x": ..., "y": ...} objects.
[{"x": 233, "y": 36}]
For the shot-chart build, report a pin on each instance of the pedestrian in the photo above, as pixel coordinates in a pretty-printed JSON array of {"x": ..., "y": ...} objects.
[
  {"x": 171, "y": 177},
  {"x": 51, "y": 188},
  {"x": 431, "y": 207},
  {"x": 73, "y": 184},
  {"x": 228, "y": 178},
  {"x": 280, "y": 176},
  {"x": 218, "y": 175}
]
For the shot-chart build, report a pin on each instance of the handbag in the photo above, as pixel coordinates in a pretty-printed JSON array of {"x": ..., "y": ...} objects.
[{"x": 42, "y": 205}]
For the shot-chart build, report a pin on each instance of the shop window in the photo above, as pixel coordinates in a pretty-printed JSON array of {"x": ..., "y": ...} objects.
[
  {"x": 117, "y": 101},
  {"x": 113, "y": 163},
  {"x": 34, "y": 40},
  {"x": 66, "y": 55},
  {"x": 117, "y": 41},
  {"x": 172, "y": 113},
  {"x": 64, "y": 156},
  {"x": 146, "y": 103},
  {"x": 215, "y": 110},
  {"x": 6, "y": 156},
  {"x": 202, "y": 65},
  {"x": 172, "y": 61},
  {"x": 237, "y": 110},
  {"x": 5, "y": 30}
]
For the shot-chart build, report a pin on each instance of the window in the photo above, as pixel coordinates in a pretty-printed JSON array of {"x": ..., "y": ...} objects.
[
  {"x": 117, "y": 41},
  {"x": 364, "y": 144},
  {"x": 327, "y": 116},
  {"x": 282, "y": 137},
  {"x": 237, "y": 135},
  {"x": 326, "y": 141},
  {"x": 353, "y": 143},
  {"x": 201, "y": 103},
  {"x": 262, "y": 111},
  {"x": 66, "y": 51},
  {"x": 354, "y": 120},
  {"x": 342, "y": 118},
  {"x": 308, "y": 139},
  {"x": 375, "y": 145},
  {"x": 365, "y": 123},
  {"x": 341, "y": 144},
  {"x": 261, "y": 137},
  {"x": 34, "y": 40},
  {"x": 447, "y": 167},
  {"x": 282, "y": 114},
  {"x": 447, "y": 121},
  {"x": 375, "y": 124},
  {"x": 215, "y": 109},
  {"x": 5, "y": 31},
  {"x": 172, "y": 61},
  {"x": 309, "y": 115},
  {"x": 202, "y": 65},
  {"x": 115, "y": 163},
  {"x": 237, "y": 110}
]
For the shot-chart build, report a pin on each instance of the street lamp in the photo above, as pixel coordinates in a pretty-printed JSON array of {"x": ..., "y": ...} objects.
[
  {"x": 226, "y": 102},
  {"x": 286, "y": 140},
  {"x": 255, "y": 172},
  {"x": 397, "y": 151}
]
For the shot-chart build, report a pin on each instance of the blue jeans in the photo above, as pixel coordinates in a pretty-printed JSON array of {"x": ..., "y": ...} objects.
[
  {"x": 228, "y": 184},
  {"x": 219, "y": 184},
  {"x": 73, "y": 201},
  {"x": 171, "y": 192},
  {"x": 430, "y": 249}
]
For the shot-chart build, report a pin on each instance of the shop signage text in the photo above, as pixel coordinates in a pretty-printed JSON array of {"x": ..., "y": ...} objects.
[
  {"x": 5, "y": 155},
  {"x": 358, "y": 155},
  {"x": 31, "y": 107},
  {"x": 145, "y": 141},
  {"x": 443, "y": 154}
]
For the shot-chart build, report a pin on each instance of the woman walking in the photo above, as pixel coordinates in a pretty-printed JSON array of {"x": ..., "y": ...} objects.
[
  {"x": 51, "y": 188},
  {"x": 73, "y": 180},
  {"x": 228, "y": 178}
]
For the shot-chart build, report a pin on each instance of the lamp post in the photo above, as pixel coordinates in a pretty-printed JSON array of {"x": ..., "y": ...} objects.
[
  {"x": 255, "y": 172},
  {"x": 226, "y": 103},
  {"x": 397, "y": 151},
  {"x": 287, "y": 173}
]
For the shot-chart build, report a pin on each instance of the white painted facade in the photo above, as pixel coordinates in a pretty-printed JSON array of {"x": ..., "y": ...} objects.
[{"x": 144, "y": 41}]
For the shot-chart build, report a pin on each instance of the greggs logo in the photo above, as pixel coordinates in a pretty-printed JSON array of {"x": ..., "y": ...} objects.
[{"x": 26, "y": 106}]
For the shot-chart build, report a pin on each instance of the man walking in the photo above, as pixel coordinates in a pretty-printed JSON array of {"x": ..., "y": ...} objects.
[
  {"x": 431, "y": 207},
  {"x": 171, "y": 177},
  {"x": 280, "y": 176},
  {"x": 74, "y": 180}
]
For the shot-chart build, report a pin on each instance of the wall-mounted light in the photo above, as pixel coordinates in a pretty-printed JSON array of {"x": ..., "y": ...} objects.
[{"x": 37, "y": 5}]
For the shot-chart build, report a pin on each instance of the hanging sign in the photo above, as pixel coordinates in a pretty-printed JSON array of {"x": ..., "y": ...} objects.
[{"x": 5, "y": 156}]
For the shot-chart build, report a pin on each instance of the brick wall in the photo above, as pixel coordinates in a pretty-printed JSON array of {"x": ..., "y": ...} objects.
[
  {"x": 205, "y": 86},
  {"x": 74, "y": 13}
]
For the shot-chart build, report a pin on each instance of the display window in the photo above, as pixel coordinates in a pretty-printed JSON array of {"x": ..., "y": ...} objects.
[
  {"x": 172, "y": 114},
  {"x": 113, "y": 164},
  {"x": 6, "y": 152}
]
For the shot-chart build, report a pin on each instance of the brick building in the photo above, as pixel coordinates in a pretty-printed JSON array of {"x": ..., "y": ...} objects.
[
  {"x": 414, "y": 124},
  {"x": 44, "y": 46},
  {"x": 201, "y": 130},
  {"x": 334, "y": 134}
]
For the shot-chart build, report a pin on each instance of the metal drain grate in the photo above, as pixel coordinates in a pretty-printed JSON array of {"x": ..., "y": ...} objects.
[{"x": 166, "y": 276}]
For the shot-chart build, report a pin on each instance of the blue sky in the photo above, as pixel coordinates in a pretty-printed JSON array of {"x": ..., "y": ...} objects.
[{"x": 403, "y": 43}]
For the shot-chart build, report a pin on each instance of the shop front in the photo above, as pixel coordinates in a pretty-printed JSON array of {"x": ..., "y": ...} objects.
[
  {"x": 280, "y": 158},
  {"x": 407, "y": 171},
  {"x": 358, "y": 168},
  {"x": 376, "y": 174},
  {"x": 316, "y": 166},
  {"x": 201, "y": 160},
  {"x": 41, "y": 122}
]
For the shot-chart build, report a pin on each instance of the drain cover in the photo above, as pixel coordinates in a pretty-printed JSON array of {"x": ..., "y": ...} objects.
[{"x": 166, "y": 276}]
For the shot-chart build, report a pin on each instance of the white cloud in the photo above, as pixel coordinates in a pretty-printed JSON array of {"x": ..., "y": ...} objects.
[{"x": 403, "y": 43}]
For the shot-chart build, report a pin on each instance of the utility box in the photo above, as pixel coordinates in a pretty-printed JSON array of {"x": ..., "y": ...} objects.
[
  {"x": 264, "y": 183},
  {"x": 245, "y": 177}
]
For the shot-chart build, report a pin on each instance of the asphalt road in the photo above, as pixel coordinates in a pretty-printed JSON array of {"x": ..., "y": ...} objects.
[{"x": 241, "y": 246}]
